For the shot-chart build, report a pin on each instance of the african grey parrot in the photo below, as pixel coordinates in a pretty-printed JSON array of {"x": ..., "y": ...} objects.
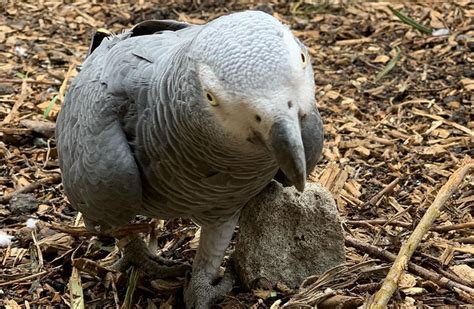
[{"x": 177, "y": 120}]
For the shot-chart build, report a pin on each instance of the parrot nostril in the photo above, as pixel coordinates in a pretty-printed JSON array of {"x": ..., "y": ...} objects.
[
  {"x": 302, "y": 116},
  {"x": 258, "y": 118},
  {"x": 290, "y": 104}
]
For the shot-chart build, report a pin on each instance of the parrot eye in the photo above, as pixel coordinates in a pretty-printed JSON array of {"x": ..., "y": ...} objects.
[
  {"x": 303, "y": 59},
  {"x": 211, "y": 98}
]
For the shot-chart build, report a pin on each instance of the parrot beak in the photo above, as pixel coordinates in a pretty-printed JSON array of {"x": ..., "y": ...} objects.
[{"x": 287, "y": 146}]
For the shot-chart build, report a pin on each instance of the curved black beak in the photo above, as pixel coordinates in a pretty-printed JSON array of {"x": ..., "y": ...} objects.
[{"x": 287, "y": 146}]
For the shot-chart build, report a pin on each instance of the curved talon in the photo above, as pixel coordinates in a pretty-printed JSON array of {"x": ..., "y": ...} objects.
[
  {"x": 167, "y": 262},
  {"x": 135, "y": 252}
]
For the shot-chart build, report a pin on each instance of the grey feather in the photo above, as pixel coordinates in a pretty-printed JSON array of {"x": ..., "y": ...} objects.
[{"x": 136, "y": 136}]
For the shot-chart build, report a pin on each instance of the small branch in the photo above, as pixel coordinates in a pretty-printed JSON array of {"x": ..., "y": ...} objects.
[
  {"x": 117, "y": 233},
  {"x": 353, "y": 41},
  {"x": 15, "y": 131},
  {"x": 33, "y": 276},
  {"x": 447, "y": 228},
  {"x": 341, "y": 301},
  {"x": 131, "y": 286},
  {"x": 465, "y": 240},
  {"x": 454, "y": 277},
  {"x": 388, "y": 189},
  {"x": 91, "y": 267},
  {"x": 18, "y": 103},
  {"x": 447, "y": 122},
  {"x": 459, "y": 226},
  {"x": 45, "y": 128},
  {"x": 31, "y": 187},
  {"x": 421, "y": 271},
  {"x": 29, "y": 81},
  {"x": 390, "y": 284},
  {"x": 378, "y": 222}
]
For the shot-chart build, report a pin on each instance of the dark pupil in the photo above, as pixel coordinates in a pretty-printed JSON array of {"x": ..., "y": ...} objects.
[
  {"x": 303, "y": 57},
  {"x": 209, "y": 97}
]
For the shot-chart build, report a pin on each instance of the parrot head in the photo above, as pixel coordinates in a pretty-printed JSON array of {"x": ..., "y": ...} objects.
[{"x": 257, "y": 81}]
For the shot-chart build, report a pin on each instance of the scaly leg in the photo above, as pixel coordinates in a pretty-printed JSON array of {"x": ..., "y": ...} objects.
[
  {"x": 200, "y": 292},
  {"x": 136, "y": 253}
]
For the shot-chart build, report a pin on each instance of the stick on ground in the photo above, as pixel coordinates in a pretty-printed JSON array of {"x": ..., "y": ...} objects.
[
  {"x": 390, "y": 284},
  {"x": 389, "y": 188},
  {"x": 377, "y": 252},
  {"x": 31, "y": 187}
]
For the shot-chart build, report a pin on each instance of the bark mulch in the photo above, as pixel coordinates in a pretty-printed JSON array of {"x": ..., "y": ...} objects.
[{"x": 397, "y": 103}]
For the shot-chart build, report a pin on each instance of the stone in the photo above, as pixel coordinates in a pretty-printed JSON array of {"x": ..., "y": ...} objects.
[
  {"x": 23, "y": 204},
  {"x": 286, "y": 236}
]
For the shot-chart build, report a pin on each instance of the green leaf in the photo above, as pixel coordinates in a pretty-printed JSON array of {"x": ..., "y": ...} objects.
[
  {"x": 407, "y": 20},
  {"x": 50, "y": 106},
  {"x": 132, "y": 285},
  {"x": 75, "y": 290},
  {"x": 21, "y": 75},
  {"x": 390, "y": 65}
]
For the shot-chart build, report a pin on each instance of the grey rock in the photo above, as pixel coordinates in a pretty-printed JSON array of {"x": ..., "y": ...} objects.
[
  {"x": 286, "y": 236},
  {"x": 23, "y": 203}
]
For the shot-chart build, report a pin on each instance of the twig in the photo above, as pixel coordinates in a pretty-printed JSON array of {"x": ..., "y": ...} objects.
[
  {"x": 353, "y": 41},
  {"x": 377, "y": 222},
  {"x": 33, "y": 276},
  {"x": 15, "y": 131},
  {"x": 119, "y": 232},
  {"x": 389, "y": 188},
  {"x": 447, "y": 122},
  {"x": 68, "y": 75},
  {"x": 341, "y": 301},
  {"x": 110, "y": 278},
  {"x": 459, "y": 226},
  {"x": 29, "y": 81},
  {"x": 465, "y": 240},
  {"x": 91, "y": 267},
  {"x": 38, "y": 250},
  {"x": 454, "y": 277},
  {"x": 45, "y": 128},
  {"x": 18, "y": 103},
  {"x": 132, "y": 284},
  {"x": 62, "y": 90},
  {"x": 447, "y": 228},
  {"x": 421, "y": 271},
  {"x": 31, "y": 187},
  {"x": 390, "y": 284}
]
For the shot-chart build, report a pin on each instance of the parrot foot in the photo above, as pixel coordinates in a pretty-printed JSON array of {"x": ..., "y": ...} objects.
[
  {"x": 200, "y": 293},
  {"x": 136, "y": 253}
]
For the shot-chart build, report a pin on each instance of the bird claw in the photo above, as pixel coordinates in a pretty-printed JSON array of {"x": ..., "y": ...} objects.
[
  {"x": 136, "y": 253},
  {"x": 200, "y": 293}
]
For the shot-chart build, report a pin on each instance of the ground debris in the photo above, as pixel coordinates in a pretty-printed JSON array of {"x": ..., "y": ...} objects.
[{"x": 390, "y": 143}]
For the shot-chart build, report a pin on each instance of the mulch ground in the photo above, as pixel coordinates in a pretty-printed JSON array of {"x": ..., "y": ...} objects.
[{"x": 392, "y": 140}]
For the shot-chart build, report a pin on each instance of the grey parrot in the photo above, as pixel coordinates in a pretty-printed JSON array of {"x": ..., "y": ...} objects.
[{"x": 174, "y": 120}]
